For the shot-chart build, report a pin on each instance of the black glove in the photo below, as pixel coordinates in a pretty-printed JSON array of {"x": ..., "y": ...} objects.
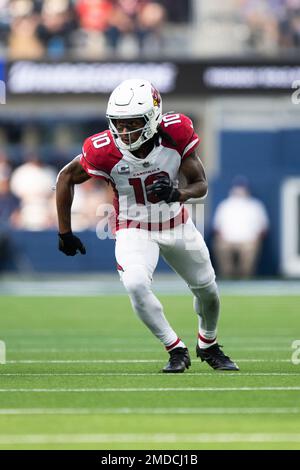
[
  {"x": 70, "y": 245},
  {"x": 164, "y": 190}
]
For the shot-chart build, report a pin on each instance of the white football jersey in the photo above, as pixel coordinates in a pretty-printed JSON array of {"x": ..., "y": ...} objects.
[{"x": 130, "y": 175}]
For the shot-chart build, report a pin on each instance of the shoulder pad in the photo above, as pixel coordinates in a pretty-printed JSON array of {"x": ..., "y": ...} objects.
[
  {"x": 100, "y": 154},
  {"x": 180, "y": 128}
]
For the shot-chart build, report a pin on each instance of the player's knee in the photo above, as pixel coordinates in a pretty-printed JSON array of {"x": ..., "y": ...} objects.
[
  {"x": 209, "y": 295},
  {"x": 136, "y": 281},
  {"x": 203, "y": 277}
]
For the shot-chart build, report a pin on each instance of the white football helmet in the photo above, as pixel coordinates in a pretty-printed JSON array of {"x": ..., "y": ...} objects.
[{"x": 135, "y": 98}]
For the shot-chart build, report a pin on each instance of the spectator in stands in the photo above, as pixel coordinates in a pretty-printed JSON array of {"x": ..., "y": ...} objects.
[
  {"x": 261, "y": 18},
  {"x": 56, "y": 27},
  {"x": 5, "y": 165},
  {"x": 143, "y": 19},
  {"x": 32, "y": 182},
  {"x": 92, "y": 197},
  {"x": 4, "y": 22},
  {"x": 34, "y": 28},
  {"x": 94, "y": 14},
  {"x": 240, "y": 223},
  {"x": 290, "y": 25},
  {"x": 87, "y": 199},
  {"x": 121, "y": 22},
  {"x": 150, "y": 20},
  {"x": 9, "y": 215},
  {"x": 94, "y": 17},
  {"x": 23, "y": 42}
]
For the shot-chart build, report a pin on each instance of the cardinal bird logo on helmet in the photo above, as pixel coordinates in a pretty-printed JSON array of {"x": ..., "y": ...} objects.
[{"x": 156, "y": 96}]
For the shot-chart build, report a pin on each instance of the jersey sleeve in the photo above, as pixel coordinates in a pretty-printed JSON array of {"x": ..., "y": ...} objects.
[
  {"x": 93, "y": 160},
  {"x": 181, "y": 129}
]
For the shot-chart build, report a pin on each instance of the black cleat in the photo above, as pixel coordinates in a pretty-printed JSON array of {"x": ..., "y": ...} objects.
[
  {"x": 178, "y": 362},
  {"x": 215, "y": 357}
]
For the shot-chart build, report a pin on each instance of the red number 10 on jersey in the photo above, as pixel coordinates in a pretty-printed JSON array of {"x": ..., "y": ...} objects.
[{"x": 139, "y": 191}]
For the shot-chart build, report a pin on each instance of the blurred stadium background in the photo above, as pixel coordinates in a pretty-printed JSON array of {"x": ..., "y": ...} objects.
[{"x": 231, "y": 66}]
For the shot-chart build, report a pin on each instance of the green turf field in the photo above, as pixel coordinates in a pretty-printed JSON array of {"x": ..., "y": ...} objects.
[{"x": 84, "y": 373}]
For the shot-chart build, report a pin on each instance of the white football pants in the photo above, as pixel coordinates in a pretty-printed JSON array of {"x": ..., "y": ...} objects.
[{"x": 183, "y": 248}]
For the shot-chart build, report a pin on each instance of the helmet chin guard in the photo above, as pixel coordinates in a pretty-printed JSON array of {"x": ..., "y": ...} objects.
[{"x": 134, "y": 98}]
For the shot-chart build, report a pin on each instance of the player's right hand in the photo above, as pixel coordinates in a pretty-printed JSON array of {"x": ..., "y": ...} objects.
[{"x": 70, "y": 245}]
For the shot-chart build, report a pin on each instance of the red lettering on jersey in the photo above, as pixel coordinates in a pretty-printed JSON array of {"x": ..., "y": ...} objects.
[
  {"x": 100, "y": 155},
  {"x": 138, "y": 187}
]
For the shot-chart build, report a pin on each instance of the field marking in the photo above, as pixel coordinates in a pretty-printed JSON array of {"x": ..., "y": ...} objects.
[
  {"x": 75, "y": 336},
  {"x": 150, "y": 374},
  {"x": 165, "y": 284},
  {"x": 148, "y": 389},
  {"x": 145, "y": 350},
  {"x": 117, "y": 361},
  {"x": 87, "y": 350},
  {"x": 83, "y": 361},
  {"x": 147, "y": 438},
  {"x": 151, "y": 411}
]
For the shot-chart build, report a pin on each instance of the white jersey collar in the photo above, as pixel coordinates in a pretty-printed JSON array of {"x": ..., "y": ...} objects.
[{"x": 140, "y": 161}]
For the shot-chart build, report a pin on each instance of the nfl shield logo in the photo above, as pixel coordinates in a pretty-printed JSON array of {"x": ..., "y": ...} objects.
[{"x": 123, "y": 168}]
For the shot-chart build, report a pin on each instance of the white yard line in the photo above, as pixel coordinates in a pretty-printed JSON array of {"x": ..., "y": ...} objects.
[
  {"x": 118, "y": 361},
  {"x": 150, "y": 374},
  {"x": 147, "y": 389},
  {"x": 83, "y": 361},
  {"x": 25, "y": 350},
  {"x": 146, "y": 438},
  {"x": 150, "y": 411},
  {"x": 77, "y": 337},
  {"x": 166, "y": 284}
]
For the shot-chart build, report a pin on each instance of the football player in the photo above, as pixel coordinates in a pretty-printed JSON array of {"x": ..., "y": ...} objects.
[{"x": 142, "y": 156}]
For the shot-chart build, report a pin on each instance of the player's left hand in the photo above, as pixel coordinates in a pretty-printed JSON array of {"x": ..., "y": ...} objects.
[
  {"x": 164, "y": 190},
  {"x": 70, "y": 245}
]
